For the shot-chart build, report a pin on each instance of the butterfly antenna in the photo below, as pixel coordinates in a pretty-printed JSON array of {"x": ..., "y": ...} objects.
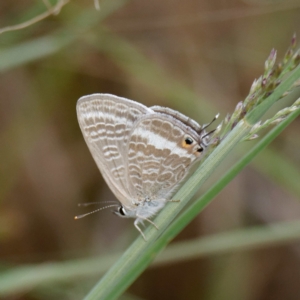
[
  {"x": 92, "y": 212},
  {"x": 208, "y": 124},
  {"x": 207, "y": 134},
  {"x": 93, "y": 203}
]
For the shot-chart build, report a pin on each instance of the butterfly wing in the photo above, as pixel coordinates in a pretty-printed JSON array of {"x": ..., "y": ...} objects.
[
  {"x": 158, "y": 156},
  {"x": 106, "y": 122}
]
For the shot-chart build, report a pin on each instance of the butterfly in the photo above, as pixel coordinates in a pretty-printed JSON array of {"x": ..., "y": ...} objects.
[{"x": 143, "y": 153}]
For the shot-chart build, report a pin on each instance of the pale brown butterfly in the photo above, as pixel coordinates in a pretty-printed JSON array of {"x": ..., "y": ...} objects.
[{"x": 143, "y": 153}]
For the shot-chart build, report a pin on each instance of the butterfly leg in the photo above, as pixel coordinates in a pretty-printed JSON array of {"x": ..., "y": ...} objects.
[
  {"x": 139, "y": 229},
  {"x": 145, "y": 219}
]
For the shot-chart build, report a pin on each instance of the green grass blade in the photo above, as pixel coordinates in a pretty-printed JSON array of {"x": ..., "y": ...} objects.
[{"x": 140, "y": 254}]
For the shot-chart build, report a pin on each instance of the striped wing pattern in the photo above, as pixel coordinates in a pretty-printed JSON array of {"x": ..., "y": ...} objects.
[
  {"x": 141, "y": 152},
  {"x": 157, "y": 161},
  {"x": 106, "y": 122}
]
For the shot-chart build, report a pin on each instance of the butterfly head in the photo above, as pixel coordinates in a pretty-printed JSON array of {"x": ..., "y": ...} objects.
[{"x": 122, "y": 212}]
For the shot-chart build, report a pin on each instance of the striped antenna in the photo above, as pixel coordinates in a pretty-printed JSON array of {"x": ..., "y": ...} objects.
[
  {"x": 92, "y": 212},
  {"x": 208, "y": 124}
]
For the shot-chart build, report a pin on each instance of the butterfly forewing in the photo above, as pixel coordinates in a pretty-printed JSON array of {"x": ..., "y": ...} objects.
[
  {"x": 157, "y": 161},
  {"x": 106, "y": 122}
]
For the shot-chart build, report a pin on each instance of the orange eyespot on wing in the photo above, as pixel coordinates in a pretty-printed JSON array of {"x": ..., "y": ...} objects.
[{"x": 187, "y": 142}]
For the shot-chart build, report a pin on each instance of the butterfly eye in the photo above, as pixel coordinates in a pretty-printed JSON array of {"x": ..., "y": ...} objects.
[
  {"x": 189, "y": 141},
  {"x": 122, "y": 211}
]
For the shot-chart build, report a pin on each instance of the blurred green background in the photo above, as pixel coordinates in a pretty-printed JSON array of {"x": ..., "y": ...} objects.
[{"x": 198, "y": 57}]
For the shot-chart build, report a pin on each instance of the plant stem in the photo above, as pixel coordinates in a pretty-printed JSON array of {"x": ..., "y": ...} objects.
[{"x": 138, "y": 256}]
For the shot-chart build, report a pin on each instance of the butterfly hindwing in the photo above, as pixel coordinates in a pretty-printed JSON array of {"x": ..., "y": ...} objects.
[{"x": 157, "y": 157}]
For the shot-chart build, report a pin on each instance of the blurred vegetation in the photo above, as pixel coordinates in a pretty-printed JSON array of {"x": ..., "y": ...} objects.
[{"x": 199, "y": 57}]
